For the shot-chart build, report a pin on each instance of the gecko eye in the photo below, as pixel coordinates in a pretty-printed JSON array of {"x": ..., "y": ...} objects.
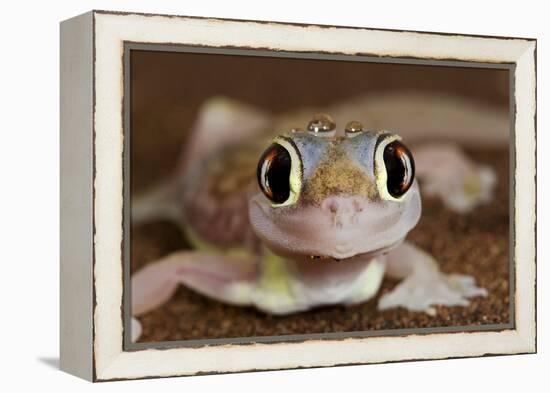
[
  {"x": 279, "y": 173},
  {"x": 394, "y": 166}
]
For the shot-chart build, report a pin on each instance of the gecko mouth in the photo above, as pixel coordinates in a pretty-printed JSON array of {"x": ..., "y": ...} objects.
[
  {"x": 368, "y": 254},
  {"x": 323, "y": 257},
  {"x": 307, "y": 234}
]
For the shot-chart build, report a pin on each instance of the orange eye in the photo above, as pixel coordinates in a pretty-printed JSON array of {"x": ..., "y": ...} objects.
[
  {"x": 273, "y": 173},
  {"x": 399, "y": 164}
]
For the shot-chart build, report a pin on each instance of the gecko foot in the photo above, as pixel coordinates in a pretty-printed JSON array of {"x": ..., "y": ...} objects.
[
  {"x": 419, "y": 292},
  {"x": 475, "y": 188},
  {"x": 135, "y": 329}
]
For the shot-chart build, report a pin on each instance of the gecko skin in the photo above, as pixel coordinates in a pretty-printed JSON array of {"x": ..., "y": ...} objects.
[{"x": 318, "y": 218}]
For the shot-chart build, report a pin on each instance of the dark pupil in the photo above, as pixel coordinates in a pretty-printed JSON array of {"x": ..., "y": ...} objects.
[
  {"x": 399, "y": 167},
  {"x": 274, "y": 173}
]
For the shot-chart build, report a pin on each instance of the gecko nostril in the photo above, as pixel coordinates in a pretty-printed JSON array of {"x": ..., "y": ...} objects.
[
  {"x": 330, "y": 205},
  {"x": 357, "y": 206},
  {"x": 343, "y": 207}
]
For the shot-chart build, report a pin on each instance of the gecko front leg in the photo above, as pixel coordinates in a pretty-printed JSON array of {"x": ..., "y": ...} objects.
[
  {"x": 230, "y": 279},
  {"x": 225, "y": 278},
  {"x": 237, "y": 280},
  {"x": 423, "y": 285}
]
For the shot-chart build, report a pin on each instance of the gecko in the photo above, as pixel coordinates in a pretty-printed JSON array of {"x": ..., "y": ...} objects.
[{"x": 312, "y": 212}]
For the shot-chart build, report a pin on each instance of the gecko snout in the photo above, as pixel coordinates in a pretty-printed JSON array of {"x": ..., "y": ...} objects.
[
  {"x": 342, "y": 205},
  {"x": 342, "y": 210}
]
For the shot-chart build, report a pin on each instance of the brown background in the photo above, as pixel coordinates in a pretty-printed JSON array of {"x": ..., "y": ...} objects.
[{"x": 167, "y": 89}]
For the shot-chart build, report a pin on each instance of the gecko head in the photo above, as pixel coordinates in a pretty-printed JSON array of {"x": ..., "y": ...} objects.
[{"x": 329, "y": 196}]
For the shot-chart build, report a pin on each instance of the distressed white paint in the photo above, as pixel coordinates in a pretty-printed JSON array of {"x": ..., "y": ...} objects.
[
  {"x": 112, "y": 30},
  {"x": 76, "y": 171}
]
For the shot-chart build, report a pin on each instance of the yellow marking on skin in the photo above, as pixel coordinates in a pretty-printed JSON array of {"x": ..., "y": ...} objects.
[
  {"x": 472, "y": 186},
  {"x": 374, "y": 274},
  {"x": 274, "y": 275},
  {"x": 337, "y": 173},
  {"x": 380, "y": 172},
  {"x": 371, "y": 279},
  {"x": 240, "y": 293},
  {"x": 274, "y": 284}
]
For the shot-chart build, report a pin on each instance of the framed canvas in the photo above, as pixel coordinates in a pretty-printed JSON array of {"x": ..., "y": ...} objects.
[{"x": 245, "y": 195}]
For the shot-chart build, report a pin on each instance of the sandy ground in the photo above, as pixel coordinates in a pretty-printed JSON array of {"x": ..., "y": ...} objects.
[{"x": 476, "y": 244}]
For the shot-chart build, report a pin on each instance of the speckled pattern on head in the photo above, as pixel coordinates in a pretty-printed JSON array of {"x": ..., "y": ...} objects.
[{"x": 336, "y": 166}]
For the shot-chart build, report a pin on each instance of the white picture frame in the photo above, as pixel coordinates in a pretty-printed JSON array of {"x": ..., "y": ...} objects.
[{"x": 92, "y": 195}]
